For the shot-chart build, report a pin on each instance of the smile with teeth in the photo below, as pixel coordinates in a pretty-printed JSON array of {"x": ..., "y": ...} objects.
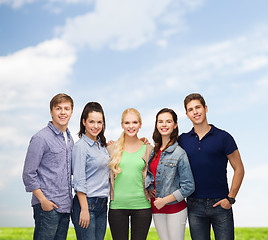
[
  {"x": 95, "y": 130},
  {"x": 164, "y": 129},
  {"x": 131, "y": 130}
]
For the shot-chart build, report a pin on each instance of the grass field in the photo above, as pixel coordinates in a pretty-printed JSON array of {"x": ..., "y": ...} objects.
[{"x": 26, "y": 234}]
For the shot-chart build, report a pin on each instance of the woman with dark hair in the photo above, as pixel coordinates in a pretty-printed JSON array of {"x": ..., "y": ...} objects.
[
  {"x": 169, "y": 178},
  {"x": 90, "y": 175}
]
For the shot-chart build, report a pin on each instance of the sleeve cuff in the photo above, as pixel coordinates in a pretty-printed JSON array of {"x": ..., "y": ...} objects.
[{"x": 177, "y": 194}]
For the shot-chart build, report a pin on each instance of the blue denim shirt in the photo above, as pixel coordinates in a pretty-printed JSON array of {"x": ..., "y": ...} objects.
[
  {"x": 90, "y": 168},
  {"x": 48, "y": 167},
  {"x": 173, "y": 175}
]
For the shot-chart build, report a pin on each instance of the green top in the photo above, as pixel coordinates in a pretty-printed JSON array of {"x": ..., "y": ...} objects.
[{"x": 128, "y": 185}]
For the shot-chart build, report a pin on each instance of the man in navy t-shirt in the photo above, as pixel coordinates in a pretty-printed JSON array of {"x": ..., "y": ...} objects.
[{"x": 209, "y": 149}]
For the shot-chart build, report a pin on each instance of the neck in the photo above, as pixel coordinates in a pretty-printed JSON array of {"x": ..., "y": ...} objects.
[
  {"x": 131, "y": 140},
  {"x": 61, "y": 128},
  {"x": 165, "y": 141},
  {"x": 91, "y": 137},
  {"x": 202, "y": 129}
]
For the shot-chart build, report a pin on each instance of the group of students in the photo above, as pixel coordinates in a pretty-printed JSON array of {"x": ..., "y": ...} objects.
[{"x": 142, "y": 181}]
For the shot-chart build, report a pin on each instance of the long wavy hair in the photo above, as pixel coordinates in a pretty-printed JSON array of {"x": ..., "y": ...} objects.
[
  {"x": 93, "y": 107},
  {"x": 119, "y": 144},
  {"x": 157, "y": 136}
]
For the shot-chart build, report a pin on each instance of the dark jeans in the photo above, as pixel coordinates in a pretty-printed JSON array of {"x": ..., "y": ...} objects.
[
  {"x": 50, "y": 225},
  {"x": 140, "y": 223},
  {"x": 98, "y": 219},
  {"x": 202, "y": 215}
]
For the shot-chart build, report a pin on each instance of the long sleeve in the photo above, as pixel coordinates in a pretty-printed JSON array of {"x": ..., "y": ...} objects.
[{"x": 32, "y": 161}]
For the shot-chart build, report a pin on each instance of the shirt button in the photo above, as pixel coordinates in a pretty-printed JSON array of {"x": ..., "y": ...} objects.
[
  {"x": 158, "y": 192},
  {"x": 199, "y": 148},
  {"x": 158, "y": 182},
  {"x": 158, "y": 172},
  {"x": 161, "y": 162},
  {"x": 164, "y": 154}
]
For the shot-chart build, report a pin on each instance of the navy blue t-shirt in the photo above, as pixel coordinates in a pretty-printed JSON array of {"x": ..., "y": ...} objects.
[{"x": 208, "y": 160}]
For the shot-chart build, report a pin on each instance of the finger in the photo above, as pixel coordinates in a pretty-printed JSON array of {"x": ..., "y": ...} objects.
[
  {"x": 55, "y": 206},
  {"x": 216, "y": 204}
]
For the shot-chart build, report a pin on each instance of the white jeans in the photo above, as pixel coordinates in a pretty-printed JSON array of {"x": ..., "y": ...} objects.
[{"x": 171, "y": 226}]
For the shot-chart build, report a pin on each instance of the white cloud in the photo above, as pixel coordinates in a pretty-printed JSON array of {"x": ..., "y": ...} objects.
[
  {"x": 50, "y": 3},
  {"x": 32, "y": 73},
  {"x": 126, "y": 24},
  {"x": 16, "y": 3}
]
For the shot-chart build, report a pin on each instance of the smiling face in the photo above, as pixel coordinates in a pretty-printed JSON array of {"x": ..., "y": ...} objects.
[
  {"x": 93, "y": 125},
  {"x": 61, "y": 114},
  {"x": 165, "y": 124},
  {"x": 131, "y": 124},
  {"x": 196, "y": 112}
]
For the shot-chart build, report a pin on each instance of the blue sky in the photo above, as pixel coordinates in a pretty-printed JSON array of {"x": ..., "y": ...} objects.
[{"x": 142, "y": 54}]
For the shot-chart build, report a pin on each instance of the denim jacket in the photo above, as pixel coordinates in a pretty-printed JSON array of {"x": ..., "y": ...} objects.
[{"x": 173, "y": 174}]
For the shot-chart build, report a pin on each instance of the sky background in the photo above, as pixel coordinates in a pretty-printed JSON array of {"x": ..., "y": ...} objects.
[{"x": 146, "y": 54}]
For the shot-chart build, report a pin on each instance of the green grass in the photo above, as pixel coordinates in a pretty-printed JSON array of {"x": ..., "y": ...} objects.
[{"x": 27, "y": 233}]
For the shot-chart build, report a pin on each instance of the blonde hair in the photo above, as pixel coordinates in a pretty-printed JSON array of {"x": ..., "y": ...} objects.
[{"x": 119, "y": 144}]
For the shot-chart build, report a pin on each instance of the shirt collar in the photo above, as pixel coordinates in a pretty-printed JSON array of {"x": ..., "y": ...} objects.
[
  {"x": 172, "y": 147},
  {"x": 211, "y": 131},
  {"x": 55, "y": 130},
  {"x": 89, "y": 140}
]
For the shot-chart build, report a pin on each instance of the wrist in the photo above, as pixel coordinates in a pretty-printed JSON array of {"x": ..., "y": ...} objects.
[{"x": 231, "y": 200}]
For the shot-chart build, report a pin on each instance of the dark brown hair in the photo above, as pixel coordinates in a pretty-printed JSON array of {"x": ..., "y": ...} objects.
[
  {"x": 59, "y": 98},
  {"x": 157, "y": 136},
  {"x": 93, "y": 107},
  {"x": 194, "y": 96}
]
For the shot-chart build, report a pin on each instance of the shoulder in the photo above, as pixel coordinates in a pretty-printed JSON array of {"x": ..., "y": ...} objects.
[
  {"x": 79, "y": 143},
  {"x": 178, "y": 150},
  {"x": 148, "y": 151},
  {"x": 149, "y": 148},
  {"x": 110, "y": 148},
  {"x": 41, "y": 135},
  {"x": 220, "y": 132},
  {"x": 184, "y": 136}
]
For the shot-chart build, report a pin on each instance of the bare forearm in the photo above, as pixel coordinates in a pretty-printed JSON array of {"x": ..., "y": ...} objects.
[
  {"x": 237, "y": 165},
  {"x": 82, "y": 197},
  {"x": 236, "y": 182},
  {"x": 40, "y": 195}
]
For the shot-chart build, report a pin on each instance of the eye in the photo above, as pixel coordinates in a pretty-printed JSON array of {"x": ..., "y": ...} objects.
[
  {"x": 100, "y": 122},
  {"x": 135, "y": 122}
]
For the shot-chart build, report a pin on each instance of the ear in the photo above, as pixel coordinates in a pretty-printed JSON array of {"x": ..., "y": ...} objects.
[
  {"x": 206, "y": 108},
  {"x": 176, "y": 125},
  {"x": 84, "y": 122}
]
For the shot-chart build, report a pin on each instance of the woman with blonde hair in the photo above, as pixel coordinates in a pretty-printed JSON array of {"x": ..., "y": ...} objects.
[{"x": 129, "y": 197}]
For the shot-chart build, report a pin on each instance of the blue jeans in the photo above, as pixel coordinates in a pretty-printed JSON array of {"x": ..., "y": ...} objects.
[
  {"x": 202, "y": 215},
  {"x": 50, "y": 225},
  {"x": 98, "y": 219}
]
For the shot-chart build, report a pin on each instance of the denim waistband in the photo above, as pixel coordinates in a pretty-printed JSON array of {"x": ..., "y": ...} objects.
[{"x": 204, "y": 199}]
